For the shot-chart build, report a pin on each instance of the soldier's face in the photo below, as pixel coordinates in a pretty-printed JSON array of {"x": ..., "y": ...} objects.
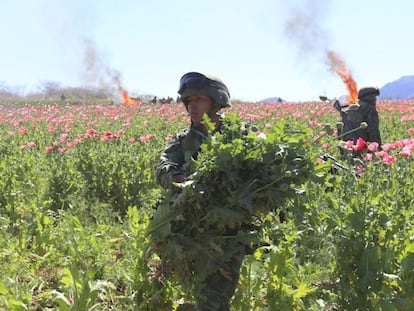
[{"x": 198, "y": 105}]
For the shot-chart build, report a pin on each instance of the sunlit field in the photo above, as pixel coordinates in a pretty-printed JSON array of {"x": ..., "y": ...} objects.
[{"x": 78, "y": 191}]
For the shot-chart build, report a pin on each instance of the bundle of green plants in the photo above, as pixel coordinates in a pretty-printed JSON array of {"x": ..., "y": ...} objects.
[{"x": 240, "y": 179}]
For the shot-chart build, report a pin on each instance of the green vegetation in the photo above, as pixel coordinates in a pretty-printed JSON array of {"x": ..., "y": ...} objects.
[{"x": 78, "y": 194}]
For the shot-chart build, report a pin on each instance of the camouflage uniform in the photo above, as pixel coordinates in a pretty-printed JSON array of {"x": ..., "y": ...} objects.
[
  {"x": 370, "y": 115},
  {"x": 219, "y": 287},
  {"x": 179, "y": 151}
]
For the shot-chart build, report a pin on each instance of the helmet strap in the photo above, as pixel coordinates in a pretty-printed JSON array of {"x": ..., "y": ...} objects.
[{"x": 213, "y": 113}]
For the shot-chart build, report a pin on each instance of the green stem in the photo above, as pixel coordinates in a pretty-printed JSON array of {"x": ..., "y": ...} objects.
[
  {"x": 350, "y": 131},
  {"x": 268, "y": 185}
]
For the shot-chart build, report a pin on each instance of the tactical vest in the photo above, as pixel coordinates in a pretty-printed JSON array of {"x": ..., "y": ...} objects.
[
  {"x": 353, "y": 115},
  {"x": 351, "y": 118}
]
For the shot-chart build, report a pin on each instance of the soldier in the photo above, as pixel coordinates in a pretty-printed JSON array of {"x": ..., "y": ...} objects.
[
  {"x": 363, "y": 111},
  {"x": 201, "y": 94}
]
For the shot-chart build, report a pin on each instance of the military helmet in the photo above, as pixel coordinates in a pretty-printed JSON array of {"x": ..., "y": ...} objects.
[
  {"x": 368, "y": 92},
  {"x": 195, "y": 83}
]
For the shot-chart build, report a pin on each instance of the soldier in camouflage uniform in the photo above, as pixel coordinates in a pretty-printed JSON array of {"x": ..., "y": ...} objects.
[
  {"x": 363, "y": 111},
  {"x": 201, "y": 94}
]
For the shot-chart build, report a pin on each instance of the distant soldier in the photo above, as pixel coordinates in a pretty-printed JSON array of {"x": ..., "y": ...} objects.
[{"x": 363, "y": 111}]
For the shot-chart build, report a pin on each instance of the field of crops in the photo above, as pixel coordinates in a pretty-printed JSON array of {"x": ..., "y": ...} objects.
[{"x": 78, "y": 191}]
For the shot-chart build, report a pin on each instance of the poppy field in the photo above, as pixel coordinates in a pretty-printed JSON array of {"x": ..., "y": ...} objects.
[{"x": 78, "y": 192}]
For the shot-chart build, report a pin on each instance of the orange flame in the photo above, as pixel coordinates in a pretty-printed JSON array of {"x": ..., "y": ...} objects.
[
  {"x": 127, "y": 100},
  {"x": 338, "y": 66}
]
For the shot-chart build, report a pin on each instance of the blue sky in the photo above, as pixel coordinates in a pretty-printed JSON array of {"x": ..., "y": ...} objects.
[{"x": 260, "y": 49}]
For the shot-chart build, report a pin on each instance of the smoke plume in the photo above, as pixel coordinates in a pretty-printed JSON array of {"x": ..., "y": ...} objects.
[
  {"x": 96, "y": 70},
  {"x": 72, "y": 24},
  {"x": 304, "y": 29}
]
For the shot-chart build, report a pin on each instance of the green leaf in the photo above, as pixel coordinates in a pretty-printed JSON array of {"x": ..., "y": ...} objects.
[
  {"x": 3, "y": 290},
  {"x": 303, "y": 290},
  {"x": 410, "y": 248}
]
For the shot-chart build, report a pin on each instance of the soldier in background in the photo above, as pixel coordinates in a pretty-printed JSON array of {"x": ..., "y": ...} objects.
[{"x": 363, "y": 111}]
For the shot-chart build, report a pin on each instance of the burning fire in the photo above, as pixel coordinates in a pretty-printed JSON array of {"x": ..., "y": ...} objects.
[
  {"x": 126, "y": 99},
  {"x": 338, "y": 66}
]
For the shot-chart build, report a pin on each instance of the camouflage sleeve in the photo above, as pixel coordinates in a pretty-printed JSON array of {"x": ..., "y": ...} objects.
[
  {"x": 171, "y": 161},
  {"x": 374, "y": 134}
]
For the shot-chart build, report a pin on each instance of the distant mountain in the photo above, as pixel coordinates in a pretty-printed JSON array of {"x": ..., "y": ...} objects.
[
  {"x": 403, "y": 88},
  {"x": 272, "y": 100}
]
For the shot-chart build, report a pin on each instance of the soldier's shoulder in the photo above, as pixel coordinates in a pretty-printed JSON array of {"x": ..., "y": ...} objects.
[
  {"x": 182, "y": 133},
  {"x": 364, "y": 104}
]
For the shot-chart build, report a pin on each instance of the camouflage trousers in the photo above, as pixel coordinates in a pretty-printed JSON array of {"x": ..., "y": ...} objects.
[{"x": 218, "y": 289}]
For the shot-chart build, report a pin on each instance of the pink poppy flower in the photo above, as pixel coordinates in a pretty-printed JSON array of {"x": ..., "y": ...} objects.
[
  {"x": 407, "y": 150},
  {"x": 109, "y": 135},
  {"x": 91, "y": 132},
  {"x": 360, "y": 169},
  {"x": 72, "y": 143},
  {"x": 360, "y": 145},
  {"x": 386, "y": 146},
  {"x": 64, "y": 137},
  {"x": 146, "y": 138},
  {"x": 380, "y": 154},
  {"x": 349, "y": 144},
  {"x": 373, "y": 146},
  {"x": 369, "y": 157},
  {"x": 319, "y": 160},
  {"x": 389, "y": 159}
]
